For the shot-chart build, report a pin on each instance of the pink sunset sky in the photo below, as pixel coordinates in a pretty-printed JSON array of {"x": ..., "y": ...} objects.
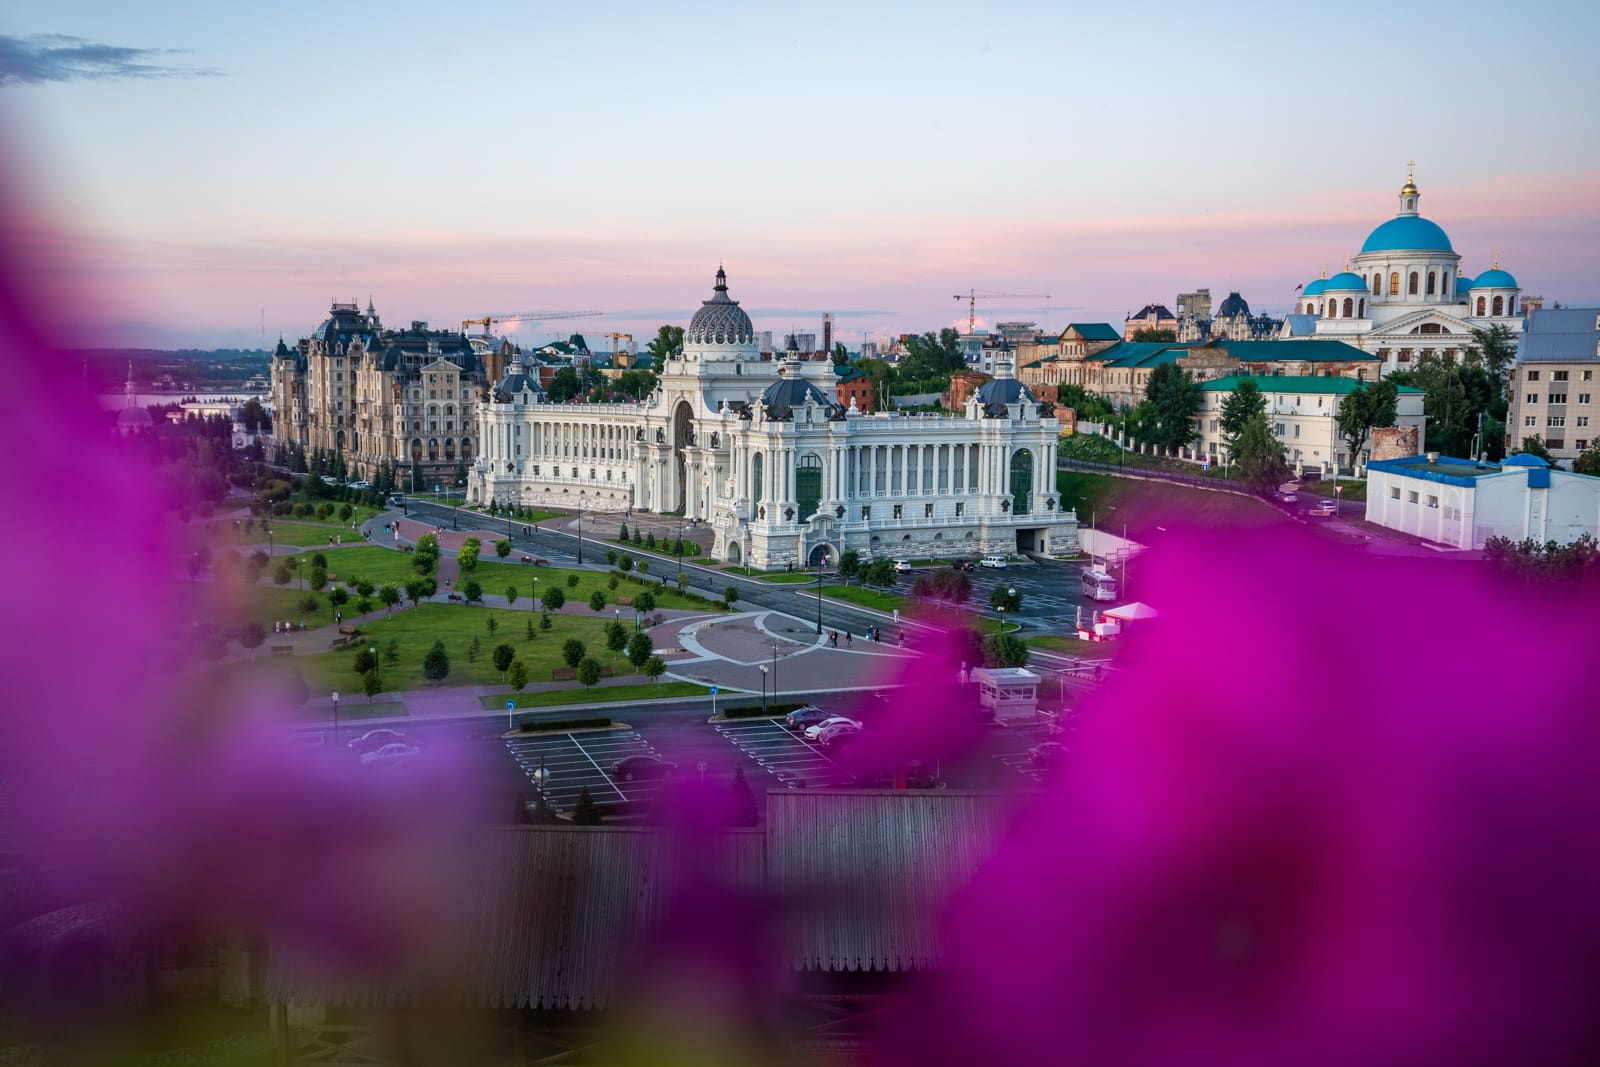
[{"x": 218, "y": 184}]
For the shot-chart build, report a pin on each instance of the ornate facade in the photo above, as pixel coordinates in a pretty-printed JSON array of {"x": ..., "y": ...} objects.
[
  {"x": 407, "y": 397},
  {"x": 763, "y": 452}
]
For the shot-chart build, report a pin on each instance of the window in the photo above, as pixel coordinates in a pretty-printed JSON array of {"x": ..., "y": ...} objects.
[
  {"x": 1297, "y": 429},
  {"x": 1377, "y": 285},
  {"x": 1588, "y": 375},
  {"x": 1431, "y": 277},
  {"x": 1556, "y": 420},
  {"x": 1558, "y": 376},
  {"x": 1394, "y": 283},
  {"x": 1214, "y": 424},
  {"x": 1279, "y": 430},
  {"x": 1533, "y": 398},
  {"x": 961, "y": 508},
  {"x": 1580, "y": 444},
  {"x": 1411, "y": 287},
  {"x": 1411, "y": 497},
  {"x": 1555, "y": 442},
  {"x": 1499, "y": 305},
  {"x": 1558, "y": 398},
  {"x": 1481, "y": 306},
  {"x": 897, "y": 511},
  {"x": 866, "y": 513},
  {"x": 1533, "y": 376},
  {"x": 1349, "y": 307},
  {"x": 1583, "y": 420},
  {"x": 1583, "y": 398},
  {"x": 1433, "y": 501},
  {"x": 927, "y": 511},
  {"x": 536, "y": 470},
  {"x": 1530, "y": 421},
  {"x": 1394, "y": 492}
]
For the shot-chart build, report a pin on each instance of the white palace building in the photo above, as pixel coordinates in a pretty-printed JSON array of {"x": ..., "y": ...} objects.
[{"x": 761, "y": 451}]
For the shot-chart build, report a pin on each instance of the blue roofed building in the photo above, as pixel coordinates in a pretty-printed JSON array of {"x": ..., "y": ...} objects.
[
  {"x": 1462, "y": 503},
  {"x": 1404, "y": 295},
  {"x": 1554, "y": 388}
]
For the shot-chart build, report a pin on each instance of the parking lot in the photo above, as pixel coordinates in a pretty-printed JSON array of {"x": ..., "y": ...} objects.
[
  {"x": 783, "y": 754},
  {"x": 1016, "y": 742},
  {"x": 574, "y": 761}
]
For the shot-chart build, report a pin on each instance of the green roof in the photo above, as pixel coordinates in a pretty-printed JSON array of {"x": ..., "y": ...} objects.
[
  {"x": 1095, "y": 331},
  {"x": 1309, "y": 351},
  {"x": 1140, "y": 353},
  {"x": 1293, "y": 383}
]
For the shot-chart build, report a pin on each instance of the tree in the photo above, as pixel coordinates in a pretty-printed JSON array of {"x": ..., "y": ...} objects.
[
  {"x": 1259, "y": 456},
  {"x": 517, "y": 674},
  {"x": 319, "y": 559},
  {"x": 1588, "y": 461},
  {"x": 319, "y": 578},
  {"x": 597, "y": 601},
  {"x": 502, "y": 656},
  {"x": 472, "y": 589},
  {"x": 572, "y": 651},
  {"x": 565, "y": 385},
  {"x": 840, "y": 355},
  {"x": 589, "y": 671},
  {"x": 552, "y": 599},
  {"x": 251, "y": 635},
  {"x": 951, "y": 585},
  {"x": 1175, "y": 398},
  {"x": 467, "y": 555},
  {"x": 528, "y": 631},
  {"x": 391, "y": 652},
  {"x": 585, "y": 812},
  {"x": 363, "y": 605},
  {"x": 473, "y": 649},
  {"x": 1362, "y": 409},
  {"x": 622, "y": 535},
  {"x": 667, "y": 344},
  {"x": 365, "y": 661},
  {"x": 644, "y": 566},
  {"x": 1534, "y": 446},
  {"x": 1238, "y": 408},
  {"x": 625, "y": 563},
  {"x": 308, "y": 604},
  {"x": 502, "y": 548},
  {"x": 281, "y": 572},
  {"x": 544, "y": 620},
  {"x": 1004, "y": 650},
  {"x": 490, "y": 623},
  {"x": 1156, "y": 335},
  {"x": 371, "y": 684},
  {"x": 436, "y": 664},
  {"x": 572, "y": 581},
  {"x": 640, "y": 649},
  {"x": 616, "y": 635},
  {"x": 729, "y": 595},
  {"x": 654, "y": 667},
  {"x": 849, "y": 564},
  {"x": 645, "y": 601},
  {"x": 416, "y": 589},
  {"x": 611, "y": 557},
  {"x": 362, "y": 586},
  {"x": 1004, "y": 598},
  {"x": 390, "y": 596},
  {"x": 879, "y": 573},
  {"x": 1457, "y": 395}
]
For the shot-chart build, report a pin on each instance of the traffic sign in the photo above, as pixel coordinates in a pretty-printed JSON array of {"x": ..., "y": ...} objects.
[
  {"x": 713, "y": 690},
  {"x": 511, "y": 705}
]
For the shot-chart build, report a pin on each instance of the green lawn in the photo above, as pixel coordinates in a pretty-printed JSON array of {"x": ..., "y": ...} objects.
[
  {"x": 1349, "y": 489},
  {"x": 664, "y": 547},
  {"x": 495, "y": 577},
  {"x": 1063, "y": 645},
  {"x": 867, "y": 598},
  {"x": 230, "y": 604},
  {"x": 598, "y": 695},
  {"x": 784, "y": 578},
  {"x": 372, "y": 562}
]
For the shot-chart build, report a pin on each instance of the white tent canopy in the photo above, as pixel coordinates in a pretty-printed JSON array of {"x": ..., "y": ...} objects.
[{"x": 1133, "y": 612}]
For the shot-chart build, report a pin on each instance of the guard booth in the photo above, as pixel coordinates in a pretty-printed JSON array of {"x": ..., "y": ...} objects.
[{"x": 1011, "y": 693}]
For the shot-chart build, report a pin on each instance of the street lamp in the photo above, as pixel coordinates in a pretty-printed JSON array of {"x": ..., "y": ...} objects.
[
  {"x": 580, "y": 538},
  {"x": 1011, "y": 594},
  {"x": 763, "y": 689},
  {"x": 375, "y": 668},
  {"x": 819, "y": 597},
  {"x": 679, "y": 548},
  {"x": 336, "y": 718},
  {"x": 774, "y": 670},
  {"x": 238, "y": 533}
]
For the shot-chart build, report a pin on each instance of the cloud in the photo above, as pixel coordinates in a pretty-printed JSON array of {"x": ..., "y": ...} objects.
[{"x": 55, "y": 57}]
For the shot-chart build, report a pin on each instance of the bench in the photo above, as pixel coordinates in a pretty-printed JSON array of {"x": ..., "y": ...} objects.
[
  {"x": 348, "y": 630},
  {"x": 282, "y": 650},
  {"x": 457, "y": 597},
  {"x": 624, "y": 600}
]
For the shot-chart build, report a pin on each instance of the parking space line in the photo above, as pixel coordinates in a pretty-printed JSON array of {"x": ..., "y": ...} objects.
[{"x": 596, "y": 766}]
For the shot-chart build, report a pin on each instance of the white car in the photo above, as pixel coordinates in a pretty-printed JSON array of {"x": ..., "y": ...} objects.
[
  {"x": 814, "y": 732},
  {"x": 902, "y": 565},
  {"x": 392, "y": 753},
  {"x": 997, "y": 562}
]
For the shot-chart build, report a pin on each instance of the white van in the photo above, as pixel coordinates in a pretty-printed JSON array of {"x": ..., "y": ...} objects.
[
  {"x": 997, "y": 562},
  {"x": 1098, "y": 585}
]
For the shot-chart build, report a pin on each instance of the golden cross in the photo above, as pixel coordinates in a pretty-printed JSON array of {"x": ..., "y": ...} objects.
[{"x": 1411, "y": 169}]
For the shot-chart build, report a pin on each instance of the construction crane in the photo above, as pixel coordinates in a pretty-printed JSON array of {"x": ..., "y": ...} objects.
[
  {"x": 972, "y": 296},
  {"x": 525, "y": 316},
  {"x": 615, "y": 337}
]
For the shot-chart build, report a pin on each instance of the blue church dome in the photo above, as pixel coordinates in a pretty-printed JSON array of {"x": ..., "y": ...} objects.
[
  {"x": 1315, "y": 287},
  {"x": 1495, "y": 279},
  {"x": 1408, "y": 233},
  {"x": 1463, "y": 282},
  {"x": 1345, "y": 280}
]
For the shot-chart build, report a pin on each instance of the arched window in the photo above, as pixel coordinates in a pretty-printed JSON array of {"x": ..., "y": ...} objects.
[
  {"x": 1333, "y": 309},
  {"x": 755, "y": 476},
  {"x": 1394, "y": 283},
  {"x": 1349, "y": 306},
  {"x": 808, "y": 483},
  {"x": 1499, "y": 305},
  {"x": 1431, "y": 278},
  {"x": 1377, "y": 284},
  {"x": 1480, "y": 306},
  {"x": 1411, "y": 288},
  {"x": 1021, "y": 481},
  {"x": 1361, "y": 308},
  {"x": 1511, "y": 305}
]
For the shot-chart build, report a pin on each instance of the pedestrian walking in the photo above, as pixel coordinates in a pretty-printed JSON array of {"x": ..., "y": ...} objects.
[
  {"x": 849, "y": 640},
  {"x": 963, "y": 674},
  {"x": 897, "y": 616}
]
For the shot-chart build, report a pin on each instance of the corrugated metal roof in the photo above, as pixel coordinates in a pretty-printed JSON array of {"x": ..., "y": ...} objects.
[
  {"x": 870, "y": 871},
  {"x": 1296, "y": 383},
  {"x": 1561, "y": 335},
  {"x": 1307, "y": 351},
  {"x": 1095, "y": 331}
]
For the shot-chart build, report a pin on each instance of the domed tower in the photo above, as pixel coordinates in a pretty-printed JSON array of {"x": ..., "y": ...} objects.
[
  {"x": 1346, "y": 296},
  {"x": 1407, "y": 262},
  {"x": 720, "y": 330},
  {"x": 1493, "y": 294},
  {"x": 1311, "y": 299}
]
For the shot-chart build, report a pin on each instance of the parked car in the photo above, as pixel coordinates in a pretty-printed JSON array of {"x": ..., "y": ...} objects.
[
  {"x": 839, "y": 733},
  {"x": 396, "y": 499},
  {"x": 997, "y": 562},
  {"x": 816, "y": 730},
  {"x": 963, "y": 564},
  {"x": 373, "y": 740},
  {"x": 801, "y": 717},
  {"x": 631, "y": 767},
  {"x": 359, "y": 486},
  {"x": 1322, "y": 509},
  {"x": 902, "y": 565},
  {"x": 393, "y": 753},
  {"x": 328, "y": 479},
  {"x": 1288, "y": 498},
  {"x": 1047, "y": 753}
]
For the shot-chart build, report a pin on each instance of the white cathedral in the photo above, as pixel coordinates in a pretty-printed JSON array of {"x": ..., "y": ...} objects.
[
  {"x": 1404, "y": 295},
  {"x": 761, "y": 451}
]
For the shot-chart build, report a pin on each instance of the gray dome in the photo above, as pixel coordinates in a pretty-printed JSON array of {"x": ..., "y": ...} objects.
[
  {"x": 995, "y": 394},
  {"x": 516, "y": 382},
  {"x": 720, "y": 321},
  {"x": 782, "y": 397}
]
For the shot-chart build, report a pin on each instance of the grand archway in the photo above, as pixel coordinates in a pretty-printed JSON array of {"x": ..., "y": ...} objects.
[{"x": 682, "y": 438}]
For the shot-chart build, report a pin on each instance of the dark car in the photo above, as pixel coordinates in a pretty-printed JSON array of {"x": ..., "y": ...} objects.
[
  {"x": 964, "y": 565},
  {"x": 631, "y": 767},
  {"x": 801, "y": 717},
  {"x": 373, "y": 740}
]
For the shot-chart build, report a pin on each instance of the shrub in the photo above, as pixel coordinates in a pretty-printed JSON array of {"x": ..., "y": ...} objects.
[
  {"x": 572, "y": 581},
  {"x": 572, "y": 651},
  {"x": 436, "y": 664},
  {"x": 503, "y": 655},
  {"x": 589, "y": 671},
  {"x": 552, "y": 599},
  {"x": 645, "y": 601},
  {"x": 650, "y": 540},
  {"x": 597, "y": 601},
  {"x": 625, "y": 564},
  {"x": 544, "y": 620}
]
